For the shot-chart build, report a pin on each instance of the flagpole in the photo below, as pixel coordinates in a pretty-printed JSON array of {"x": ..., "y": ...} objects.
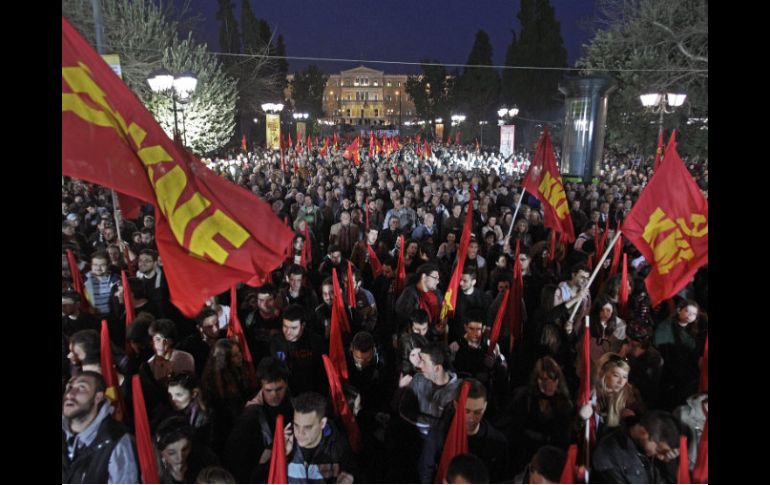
[
  {"x": 513, "y": 221},
  {"x": 593, "y": 275}
]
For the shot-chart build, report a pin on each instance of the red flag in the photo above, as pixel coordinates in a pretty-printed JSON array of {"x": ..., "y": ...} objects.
[
  {"x": 495, "y": 335},
  {"x": 457, "y": 438},
  {"x": 683, "y": 474},
  {"x": 129, "y": 265},
  {"x": 568, "y": 474},
  {"x": 585, "y": 368},
  {"x": 623, "y": 293},
  {"x": 111, "y": 375},
  {"x": 144, "y": 447},
  {"x": 289, "y": 142},
  {"x": 457, "y": 137},
  {"x": 325, "y": 148},
  {"x": 244, "y": 146},
  {"x": 700, "y": 473},
  {"x": 339, "y": 319},
  {"x": 294, "y": 162},
  {"x": 128, "y": 298},
  {"x": 351, "y": 287},
  {"x": 418, "y": 151},
  {"x": 544, "y": 182},
  {"x": 450, "y": 296},
  {"x": 514, "y": 310},
  {"x": 374, "y": 261},
  {"x": 336, "y": 144},
  {"x": 428, "y": 152},
  {"x": 235, "y": 329},
  {"x": 703, "y": 383},
  {"x": 616, "y": 251},
  {"x": 351, "y": 152},
  {"x": 669, "y": 226},
  {"x": 552, "y": 247},
  {"x": 278, "y": 468},
  {"x": 308, "y": 143},
  {"x": 340, "y": 405},
  {"x": 77, "y": 281},
  {"x": 307, "y": 251},
  {"x": 371, "y": 144},
  {"x": 298, "y": 148},
  {"x": 658, "y": 152},
  {"x": 210, "y": 232},
  {"x": 340, "y": 303},
  {"x": 396, "y": 170},
  {"x": 417, "y": 141},
  {"x": 401, "y": 268},
  {"x": 478, "y": 147}
]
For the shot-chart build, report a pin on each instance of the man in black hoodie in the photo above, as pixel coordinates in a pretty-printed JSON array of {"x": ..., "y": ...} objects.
[{"x": 301, "y": 349}]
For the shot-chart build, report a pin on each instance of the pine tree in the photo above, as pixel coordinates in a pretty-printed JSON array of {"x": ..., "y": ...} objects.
[
  {"x": 479, "y": 86},
  {"x": 229, "y": 40}
]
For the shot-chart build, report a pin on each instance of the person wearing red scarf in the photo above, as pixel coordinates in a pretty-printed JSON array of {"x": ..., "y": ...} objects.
[{"x": 423, "y": 295}]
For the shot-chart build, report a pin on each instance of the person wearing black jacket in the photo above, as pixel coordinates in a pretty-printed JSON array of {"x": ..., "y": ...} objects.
[{"x": 301, "y": 349}]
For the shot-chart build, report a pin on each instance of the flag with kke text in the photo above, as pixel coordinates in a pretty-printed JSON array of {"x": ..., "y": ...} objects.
[
  {"x": 544, "y": 182},
  {"x": 669, "y": 226},
  {"x": 210, "y": 232}
]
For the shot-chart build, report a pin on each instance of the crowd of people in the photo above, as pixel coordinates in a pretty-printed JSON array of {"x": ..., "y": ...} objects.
[{"x": 213, "y": 421}]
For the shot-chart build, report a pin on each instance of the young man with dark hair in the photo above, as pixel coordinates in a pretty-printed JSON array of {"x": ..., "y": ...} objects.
[
  {"x": 313, "y": 455},
  {"x": 100, "y": 284},
  {"x": 73, "y": 318},
  {"x": 95, "y": 447},
  {"x": 263, "y": 320},
  {"x": 200, "y": 344},
  {"x": 301, "y": 350},
  {"x": 423, "y": 294},
  {"x": 296, "y": 293},
  {"x": 467, "y": 468},
  {"x": 469, "y": 297}
]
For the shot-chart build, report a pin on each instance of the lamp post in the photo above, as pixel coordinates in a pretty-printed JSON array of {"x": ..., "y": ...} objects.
[
  {"x": 398, "y": 95},
  {"x": 180, "y": 87},
  {"x": 656, "y": 104},
  {"x": 483, "y": 123}
]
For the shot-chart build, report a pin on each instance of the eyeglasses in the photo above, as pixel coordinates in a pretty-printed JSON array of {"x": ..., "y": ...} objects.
[{"x": 437, "y": 278}]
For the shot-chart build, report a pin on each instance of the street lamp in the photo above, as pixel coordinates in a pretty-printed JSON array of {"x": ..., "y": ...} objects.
[
  {"x": 398, "y": 95},
  {"x": 483, "y": 123},
  {"x": 180, "y": 87},
  {"x": 656, "y": 103},
  {"x": 457, "y": 119}
]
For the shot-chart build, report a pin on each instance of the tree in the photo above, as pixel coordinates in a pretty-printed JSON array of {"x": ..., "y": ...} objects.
[
  {"x": 229, "y": 40},
  {"x": 431, "y": 91},
  {"x": 308, "y": 87},
  {"x": 146, "y": 40},
  {"x": 282, "y": 65},
  {"x": 669, "y": 38},
  {"x": 479, "y": 87},
  {"x": 539, "y": 44}
]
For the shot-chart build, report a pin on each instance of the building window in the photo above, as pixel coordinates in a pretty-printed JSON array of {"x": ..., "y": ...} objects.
[
  {"x": 376, "y": 83},
  {"x": 376, "y": 112},
  {"x": 348, "y": 113},
  {"x": 375, "y": 98},
  {"x": 399, "y": 84}
]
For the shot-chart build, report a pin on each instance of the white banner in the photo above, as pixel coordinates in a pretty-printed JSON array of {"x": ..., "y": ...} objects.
[
  {"x": 273, "y": 126},
  {"x": 506, "y": 140}
]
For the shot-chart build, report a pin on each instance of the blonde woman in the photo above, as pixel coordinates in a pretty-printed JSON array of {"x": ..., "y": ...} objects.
[{"x": 613, "y": 398}]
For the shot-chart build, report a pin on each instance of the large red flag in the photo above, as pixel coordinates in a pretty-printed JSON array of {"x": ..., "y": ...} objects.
[
  {"x": 351, "y": 152},
  {"x": 544, "y": 182},
  {"x": 340, "y": 405},
  {"x": 148, "y": 465},
  {"x": 235, "y": 329},
  {"x": 700, "y": 473},
  {"x": 658, "y": 152},
  {"x": 278, "y": 468},
  {"x": 351, "y": 287},
  {"x": 374, "y": 261},
  {"x": 683, "y": 473},
  {"x": 401, "y": 268},
  {"x": 568, "y": 474},
  {"x": 336, "y": 347},
  {"x": 495, "y": 334},
  {"x": 669, "y": 226},
  {"x": 450, "y": 297},
  {"x": 111, "y": 375},
  {"x": 457, "y": 438},
  {"x": 339, "y": 302},
  {"x": 210, "y": 232},
  {"x": 77, "y": 281}
]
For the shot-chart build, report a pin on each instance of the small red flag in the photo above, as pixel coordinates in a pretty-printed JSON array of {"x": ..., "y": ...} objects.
[
  {"x": 336, "y": 348},
  {"x": 495, "y": 335},
  {"x": 568, "y": 474},
  {"x": 700, "y": 473},
  {"x": 396, "y": 170},
  {"x": 450, "y": 296},
  {"x": 244, "y": 146},
  {"x": 543, "y": 180},
  {"x": 147, "y": 463},
  {"x": 111, "y": 375},
  {"x": 658, "y": 152},
  {"x": 307, "y": 251},
  {"x": 683, "y": 473},
  {"x": 278, "y": 468},
  {"x": 616, "y": 251},
  {"x": 325, "y": 148},
  {"x": 457, "y": 137},
  {"x": 351, "y": 288},
  {"x": 340, "y": 405},
  {"x": 235, "y": 329},
  {"x": 669, "y": 226},
  {"x": 514, "y": 310},
  {"x": 340, "y": 303},
  {"x": 289, "y": 142},
  {"x": 128, "y": 298},
  {"x": 401, "y": 268},
  {"x": 457, "y": 438},
  {"x": 374, "y": 261},
  {"x": 77, "y": 280},
  {"x": 623, "y": 293},
  {"x": 428, "y": 152},
  {"x": 336, "y": 143}
]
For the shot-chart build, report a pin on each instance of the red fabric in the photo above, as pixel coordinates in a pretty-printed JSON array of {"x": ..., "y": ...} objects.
[
  {"x": 450, "y": 296},
  {"x": 703, "y": 383},
  {"x": 77, "y": 281},
  {"x": 658, "y": 152},
  {"x": 307, "y": 251},
  {"x": 336, "y": 142},
  {"x": 129, "y": 265},
  {"x": 340, "y": 405},
  {"x": 457, "y": 438},
  {"x": 243, "y": 144},
  {"x": 700, "y": 473},
  {"x": 683, "y": 473},
  {"x": 623, "y": 293},
  {"x": 235, "y": 329},
  {"x": 128, "y": 298},
  {"x": 308, "y": 142},
  {"x": 351, "y": 288},
  {"x": 552, "y": 247},
  {"x": 371, "y": 144},
  {"x": 457, "y": 137},
  {"x": 374, "y": 261},
  {"x": 325, "y": 148},
  {"x": 495, "y": 335},
  {"x": 401, "y": 268},
  {"x": 585, "y": 368},
  {"x": 278, "y": 467},
  {"x": 544, "y": 182},
  {"x": 616, "y": 256},
  {"x": 336, "y": 348},
  {"x": 396, "y": 170},
  {"x": 429, "y": 302},
  {"x": 340, "y": 303},
  {"x": 111, "y": 375},
  {"x": 289, "y": 143},
  {"x": 418, "y": 150},
  {"x": 514, "y": 311},
  {"x": 351, "y": 152},
  {"x": 428, "y": 152},
  {"x": 669, "y": 226},
  {"x": 222, "y": 233},
  {"x": 568, "y": 474},
  {"x": 144, "y": 448}
]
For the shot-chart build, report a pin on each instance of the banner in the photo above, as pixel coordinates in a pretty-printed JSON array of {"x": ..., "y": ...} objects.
[
  {"x": 439, "y": 131},
  {"x": 273, "y": 123},
  {"x": 506, "y": 140},
  {"x": 301, "y": 129}
]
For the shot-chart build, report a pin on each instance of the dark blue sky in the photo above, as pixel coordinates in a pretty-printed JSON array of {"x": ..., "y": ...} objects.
[{"x": 397, "y": 30}]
